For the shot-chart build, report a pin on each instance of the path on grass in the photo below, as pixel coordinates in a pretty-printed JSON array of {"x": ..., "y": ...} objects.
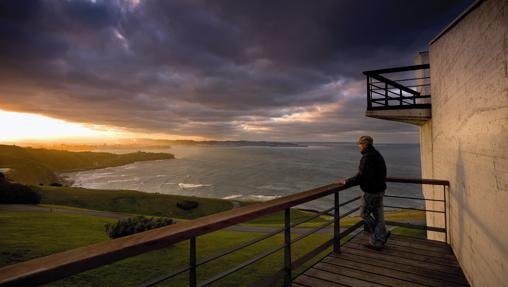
[
  {"x": 89, "y": 212},
  {"x": 118, "y": 215}
]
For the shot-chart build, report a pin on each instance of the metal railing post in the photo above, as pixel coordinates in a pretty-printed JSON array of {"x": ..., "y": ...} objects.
[
  {"x": 336, "y": 226},
  {"x": 386, "y": 94},
  {"x": 369, "y": 96},
  {"x": 445, "y": 214},
  {"x": 287, "y": 247},
  {"x": 192, "y": 262}
]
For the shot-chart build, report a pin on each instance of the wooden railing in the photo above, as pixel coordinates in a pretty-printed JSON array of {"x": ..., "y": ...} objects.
[
  {"x": 406, "y": 90},
  {"x": 57, "y": 266}
]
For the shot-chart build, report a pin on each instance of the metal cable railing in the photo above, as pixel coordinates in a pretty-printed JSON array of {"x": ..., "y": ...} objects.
[{"x": 57, "y": 266}]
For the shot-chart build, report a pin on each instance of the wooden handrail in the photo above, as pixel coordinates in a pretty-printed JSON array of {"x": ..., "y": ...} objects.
[{"x": 56, "y": 266}]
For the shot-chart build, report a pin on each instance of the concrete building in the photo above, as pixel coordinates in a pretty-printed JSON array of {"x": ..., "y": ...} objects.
[{"x": 463, "y": 134}]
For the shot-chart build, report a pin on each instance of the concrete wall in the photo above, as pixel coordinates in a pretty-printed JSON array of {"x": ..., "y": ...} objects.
[
  {"x": 469, "y": 138},
  {"x": 426, "y": 155}
]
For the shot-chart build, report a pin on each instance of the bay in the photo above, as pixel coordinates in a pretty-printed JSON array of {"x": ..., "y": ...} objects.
[{"x": 255, "y": 173}]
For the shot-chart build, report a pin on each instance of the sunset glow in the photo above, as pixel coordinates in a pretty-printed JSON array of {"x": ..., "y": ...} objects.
[{"x": 24, "y": 126}]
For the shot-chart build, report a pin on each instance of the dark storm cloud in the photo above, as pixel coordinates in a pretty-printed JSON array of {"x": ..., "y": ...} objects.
[{"x": 220, "y": 69}]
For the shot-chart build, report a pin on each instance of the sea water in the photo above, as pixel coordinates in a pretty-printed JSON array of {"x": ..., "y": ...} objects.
[{"x": 255, "y": 173}]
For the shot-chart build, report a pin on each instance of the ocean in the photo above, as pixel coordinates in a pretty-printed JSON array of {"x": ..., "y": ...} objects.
[{"x": 255, "y": 173}]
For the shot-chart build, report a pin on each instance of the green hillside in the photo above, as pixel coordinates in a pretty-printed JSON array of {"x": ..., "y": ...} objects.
[
  {"x": 130, "y": 201},
  {"x": 40, "y": 166}
]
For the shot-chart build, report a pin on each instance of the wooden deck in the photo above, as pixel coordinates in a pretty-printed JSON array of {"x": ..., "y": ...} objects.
[{"x": 405, "y": 261}]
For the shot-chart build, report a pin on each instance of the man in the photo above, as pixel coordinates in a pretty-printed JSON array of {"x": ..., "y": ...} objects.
[{"x": 371, "y": 177}]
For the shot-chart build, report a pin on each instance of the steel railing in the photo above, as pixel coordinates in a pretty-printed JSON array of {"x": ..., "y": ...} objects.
[
  {"x": 57, "y": 266},
  {"x": 407, "y": 87}
]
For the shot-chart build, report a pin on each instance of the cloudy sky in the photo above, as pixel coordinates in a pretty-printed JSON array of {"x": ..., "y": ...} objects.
[{"x": 223, "y": 69}]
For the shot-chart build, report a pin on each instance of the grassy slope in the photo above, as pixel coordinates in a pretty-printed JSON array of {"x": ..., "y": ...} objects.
[
  {"x": 136, "y": 202},
  {"x": 129, "y": 201},
  {"x": 25, "y": 235},
  {"x": 35, "y": 166}
]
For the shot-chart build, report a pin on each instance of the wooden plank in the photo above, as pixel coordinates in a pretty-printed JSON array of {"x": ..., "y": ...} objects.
[
  {"x": 420, "y": 240},
  {"x": 413, "y": 240},
  {"x": 309, "y": 281},
  {"x": 390, "y": 258},
  {"x": 421, "y": 243},
  {"x": 416, "y": 278},
  {"x": 415, "y": 226},
  {"x": 443, "y": 254},
  {"x": 422, "y": 246},
  {"x": 341, "y": 279},
  {"x": 408, "y": 255},
  {"x": 439, "y": 275},
  {"x": 365, "y": 275},
  {"x": 53, "y": 267},
  {"x": 297, "y": 285}
]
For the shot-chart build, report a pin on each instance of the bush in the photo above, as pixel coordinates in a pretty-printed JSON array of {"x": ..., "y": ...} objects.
[
  {"x": 187, "y": 204},
  {"x": 15, "y": 193},
  {"x": 131, "y": 225}
]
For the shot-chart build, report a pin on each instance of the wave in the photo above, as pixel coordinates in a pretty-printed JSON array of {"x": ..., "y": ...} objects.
[
  {"x": 252, "y": 197},
  {"x": 192, "y": 185},
  {"x": 273, "y": 187},
  {"x": 232, "y": 196},
  {"x": 4, "y": 169},
  {"x": 264, "y": 197},
  {"x": 123, "y": 180}
]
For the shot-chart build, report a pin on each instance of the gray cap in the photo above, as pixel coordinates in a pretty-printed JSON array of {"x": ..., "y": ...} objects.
[{"x": 365, "y": 140}]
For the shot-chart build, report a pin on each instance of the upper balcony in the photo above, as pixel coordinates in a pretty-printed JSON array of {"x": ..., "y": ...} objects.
[{"x": 399, "y": 94}]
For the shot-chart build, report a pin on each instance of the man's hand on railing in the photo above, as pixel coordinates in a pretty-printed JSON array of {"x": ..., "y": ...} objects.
[{"x": 341, "y": 182}]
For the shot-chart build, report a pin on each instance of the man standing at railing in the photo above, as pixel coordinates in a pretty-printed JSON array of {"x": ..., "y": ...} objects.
[{"x": 371, "y": 177}]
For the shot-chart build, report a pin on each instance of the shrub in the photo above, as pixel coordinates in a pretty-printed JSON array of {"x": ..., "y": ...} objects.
[
  {"x": 187, "y": 204},
  {"x": 15, "y": 193},
  {"x": 131, "y": 225},
  {"x": 56, "y": 184}
]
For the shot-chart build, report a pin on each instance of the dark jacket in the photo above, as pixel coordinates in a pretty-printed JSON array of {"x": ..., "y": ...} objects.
[{"x": 371, "y": 174}]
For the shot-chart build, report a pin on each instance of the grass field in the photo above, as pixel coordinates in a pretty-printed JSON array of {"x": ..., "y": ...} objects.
[
  {"x": 135, "y": 202},
  {"x": 25, "y": 235},
  {"x": 129, "y": 201}
]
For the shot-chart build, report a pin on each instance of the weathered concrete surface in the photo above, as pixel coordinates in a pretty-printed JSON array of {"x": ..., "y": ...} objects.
[
  {"x": 469, "y": 138},
  {"x": 410, "y": 116}
]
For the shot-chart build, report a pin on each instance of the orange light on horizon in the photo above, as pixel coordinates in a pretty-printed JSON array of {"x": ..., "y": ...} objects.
[{"x": 16, "y": 126}]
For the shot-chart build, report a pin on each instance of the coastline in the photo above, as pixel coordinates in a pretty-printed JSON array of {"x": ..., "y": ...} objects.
[{"x": 35, "y": 166}]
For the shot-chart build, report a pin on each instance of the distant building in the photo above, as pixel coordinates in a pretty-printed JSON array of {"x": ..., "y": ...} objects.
[{"x": 459, "y": 99}]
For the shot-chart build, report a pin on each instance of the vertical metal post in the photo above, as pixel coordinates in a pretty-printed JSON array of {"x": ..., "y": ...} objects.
[
  {"x": 336, "y": 226},
  {"x": 386, "y": 94},
  {"x": 369, "y": 96},
  {"x": 400, "y": 97},
  {"x": 192, "y": 263},
  {"x": 445, "y": 214},
  {"x": 287, "y": 248}
]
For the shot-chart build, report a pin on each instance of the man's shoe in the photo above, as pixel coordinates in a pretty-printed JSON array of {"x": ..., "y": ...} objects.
[
  {"x": 387, "y": 236},
  {"x": 368, "y": 245}
]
